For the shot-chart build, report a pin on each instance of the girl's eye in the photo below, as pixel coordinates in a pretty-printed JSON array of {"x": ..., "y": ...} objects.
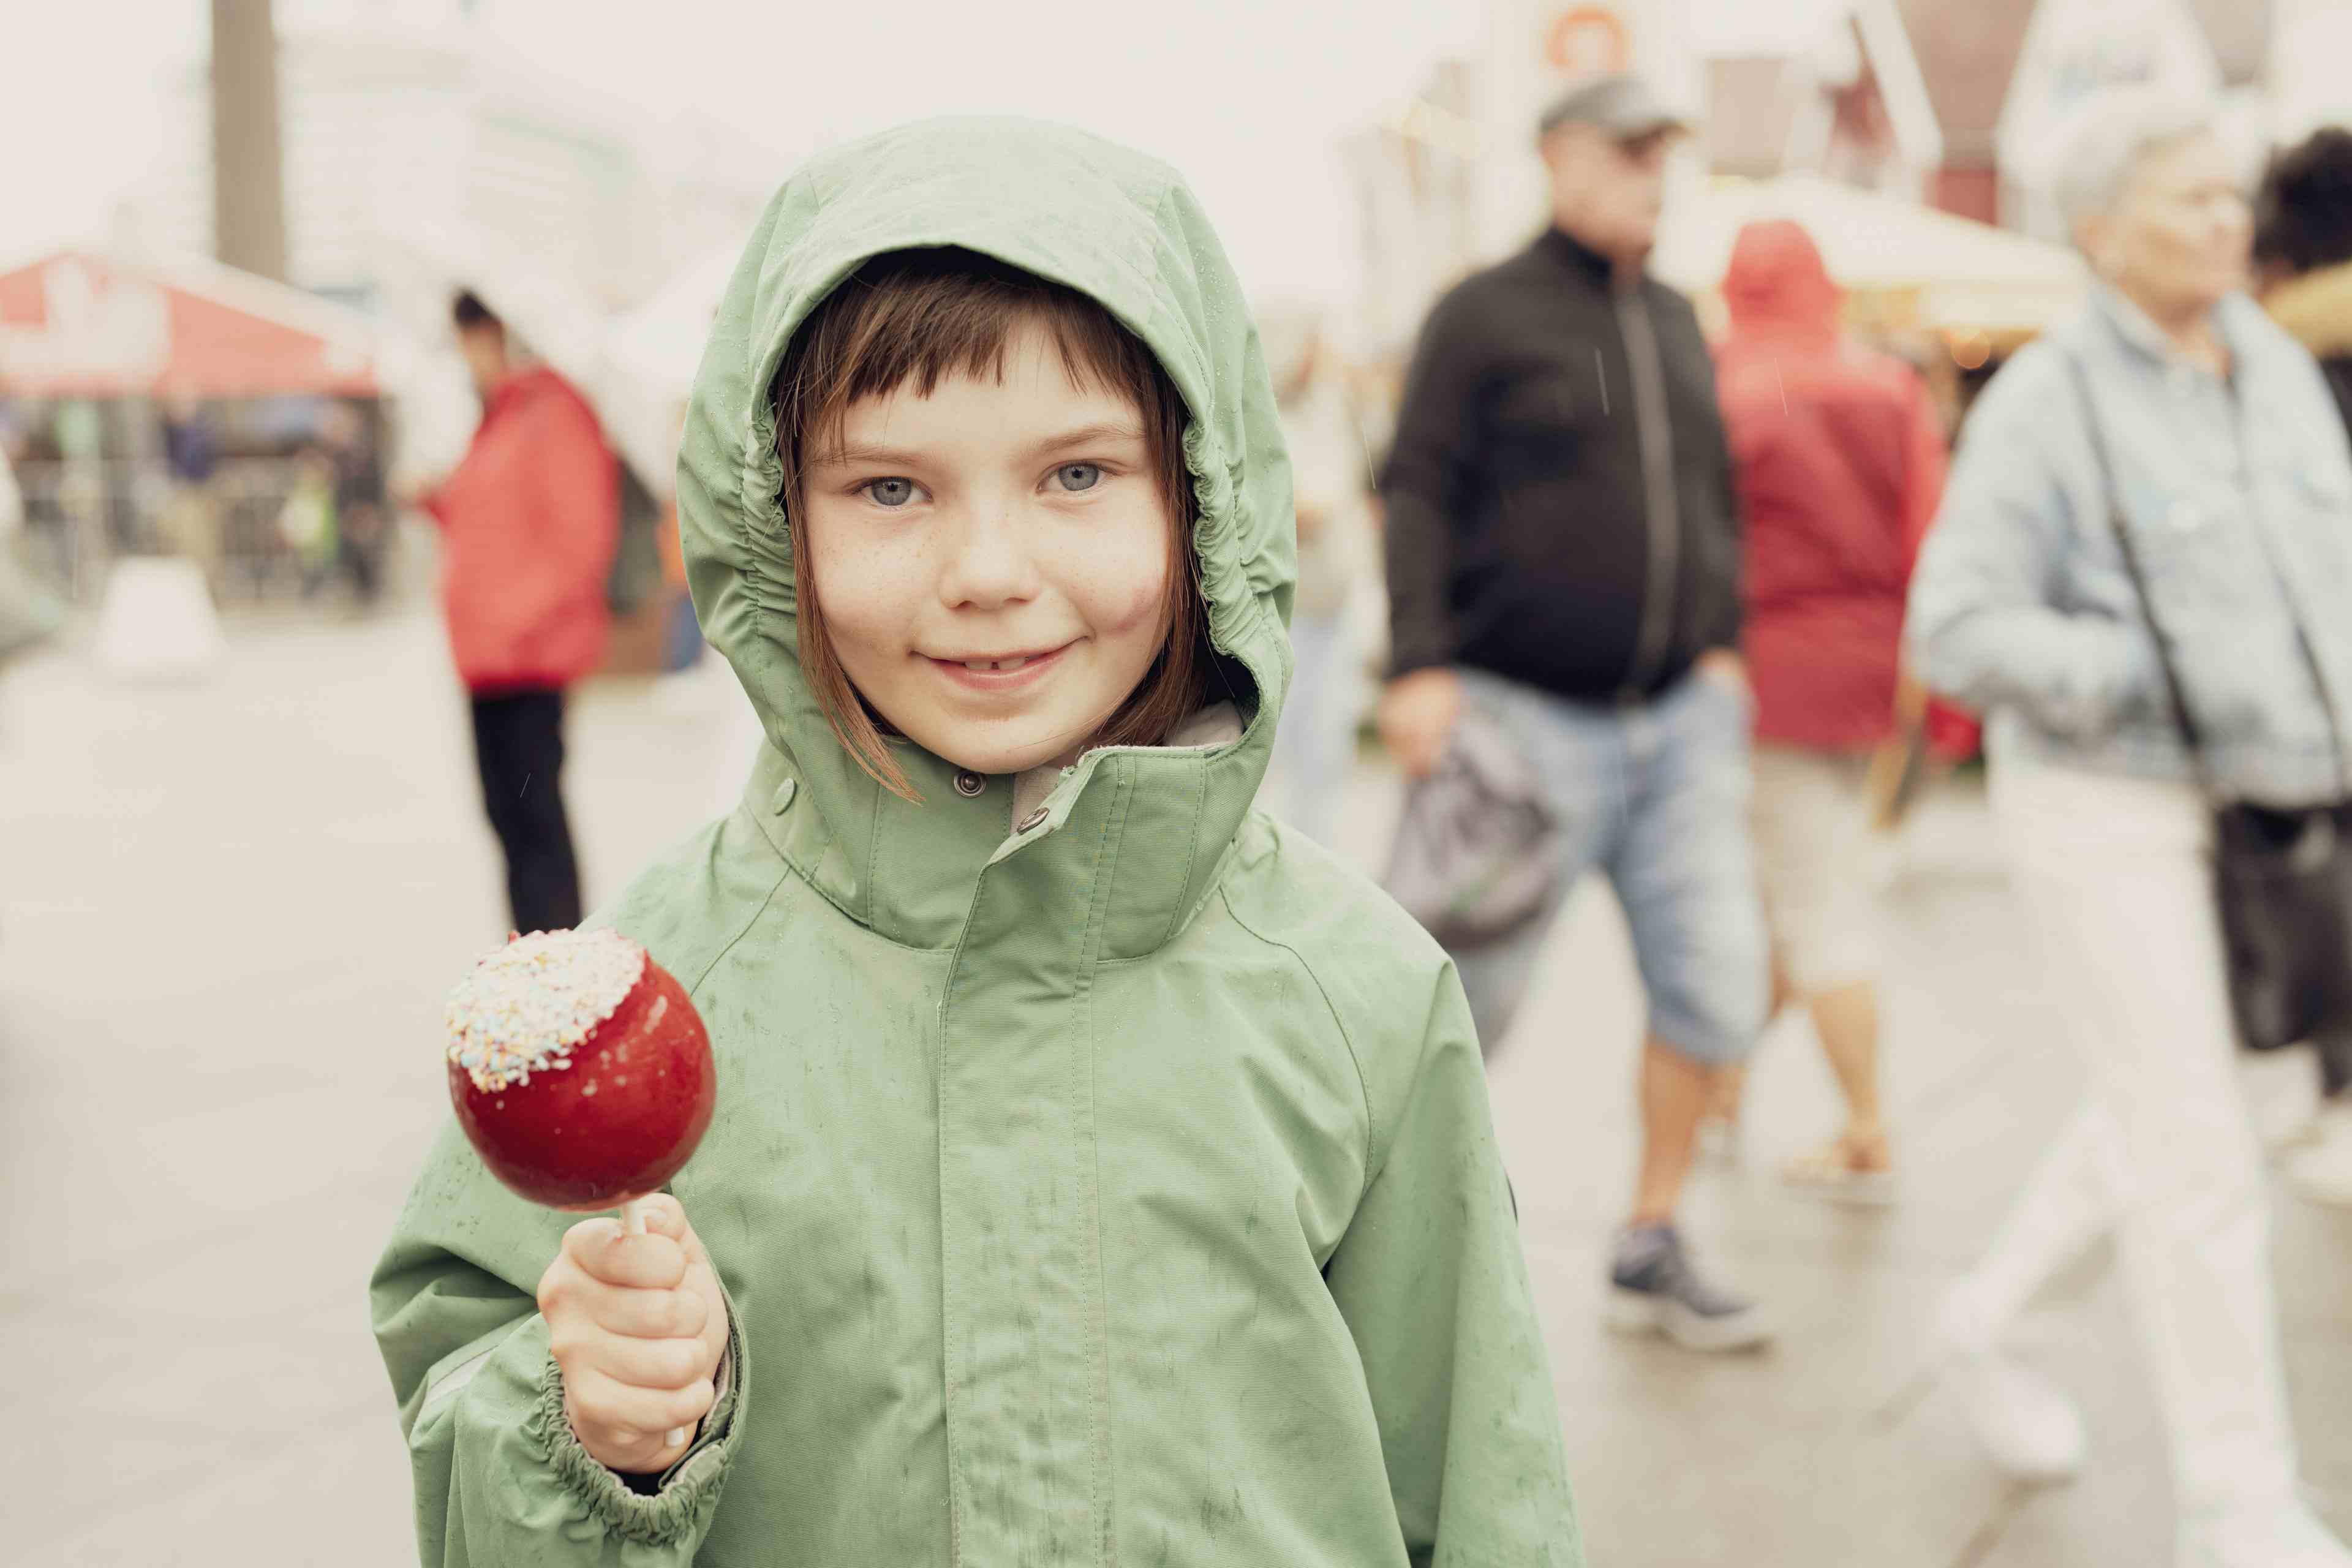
[
  {"x": 890, "y": 493},
  {"x": 1075, "y": 476}
]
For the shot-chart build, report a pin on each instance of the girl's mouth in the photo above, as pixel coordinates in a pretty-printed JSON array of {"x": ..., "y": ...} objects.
[{"x": 999, "y": 673}]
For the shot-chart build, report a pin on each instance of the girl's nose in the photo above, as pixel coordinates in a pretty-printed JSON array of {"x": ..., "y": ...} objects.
[{"x": 989, "y": 565}]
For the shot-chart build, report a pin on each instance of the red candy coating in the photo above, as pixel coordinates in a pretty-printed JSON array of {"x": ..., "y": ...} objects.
[{"x": 616, "y": 1124}]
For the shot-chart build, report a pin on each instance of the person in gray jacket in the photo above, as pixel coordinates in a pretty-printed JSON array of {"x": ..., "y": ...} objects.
[{"x": 2231, "y": 471}]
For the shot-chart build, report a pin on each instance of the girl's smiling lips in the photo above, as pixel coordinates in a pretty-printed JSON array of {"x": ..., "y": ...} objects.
[{"x": 998, "y": 672}]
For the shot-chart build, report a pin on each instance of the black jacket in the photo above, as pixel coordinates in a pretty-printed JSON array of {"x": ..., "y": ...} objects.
[{"x": 1524, "y": 535}]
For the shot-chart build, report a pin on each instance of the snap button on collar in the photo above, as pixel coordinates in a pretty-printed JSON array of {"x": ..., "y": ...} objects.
[
  {"x": 1034, "y": 819},
  {"x": 969, "y": 784},
  {"x": 782, "y": 800}
]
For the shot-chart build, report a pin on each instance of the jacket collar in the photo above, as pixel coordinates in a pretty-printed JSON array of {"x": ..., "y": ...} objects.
[
  {"x": 1130, "y": 839},
  {"x": 1576, "y": 256},
  {"x": 2139, "y": 332}
]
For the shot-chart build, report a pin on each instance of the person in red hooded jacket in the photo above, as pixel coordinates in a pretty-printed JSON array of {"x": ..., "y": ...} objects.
[
  {"x": 1839, "y": 459},
  {"x": 529, "y": 521}
]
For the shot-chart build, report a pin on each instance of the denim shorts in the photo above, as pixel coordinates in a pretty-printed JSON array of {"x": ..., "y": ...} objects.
[{"x": 1656, "y": 797}]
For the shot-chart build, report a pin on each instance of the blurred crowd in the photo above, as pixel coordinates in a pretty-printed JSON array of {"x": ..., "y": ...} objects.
[{"x": 1674, "y": 611}]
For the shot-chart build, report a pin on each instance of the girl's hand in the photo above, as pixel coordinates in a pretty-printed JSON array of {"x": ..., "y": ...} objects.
[{"x": 638, "y": 1325}]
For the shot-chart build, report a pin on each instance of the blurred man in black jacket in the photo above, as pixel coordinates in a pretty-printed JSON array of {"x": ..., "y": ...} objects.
[{"x": 1563, "y": 559}]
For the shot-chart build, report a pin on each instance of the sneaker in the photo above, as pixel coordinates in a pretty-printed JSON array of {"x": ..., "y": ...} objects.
[
  {"x": 1655, "y": 1289},
  {"x": 2284, "y": 1534},
  {"x": 2029, "y": 1430},
  {"x": 2322, "y": 1169}
]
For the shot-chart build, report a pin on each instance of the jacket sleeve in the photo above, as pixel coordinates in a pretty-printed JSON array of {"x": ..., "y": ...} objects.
[
  {"x": 500, "y": 1482},
  {"x": 1984, "y": 626},
  {"x": 1422, "y": 482},
  {"x": 1433, "y": 1288}
]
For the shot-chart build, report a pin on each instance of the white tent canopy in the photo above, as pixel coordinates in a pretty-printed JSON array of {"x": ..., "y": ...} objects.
[
  {"x": 635, "y": 368},
  {"x": 1963, "y": 273},
  {"x": 650, "y": 356},
  {"x": 552, "y": 319}
]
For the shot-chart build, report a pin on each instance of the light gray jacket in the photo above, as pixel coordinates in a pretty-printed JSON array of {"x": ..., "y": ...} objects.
[{"x": 2239, "y": 496}]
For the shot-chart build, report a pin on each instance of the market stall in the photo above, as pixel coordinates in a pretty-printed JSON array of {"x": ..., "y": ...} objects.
[
  {"x": 1904, "y": 266},
  {"x": 1954, "y": 296},
  {"x": 175, "y": 408}
]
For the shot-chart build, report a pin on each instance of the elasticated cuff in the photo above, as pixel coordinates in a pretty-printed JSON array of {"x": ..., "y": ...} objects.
[{"x": 689, "y": 1489}]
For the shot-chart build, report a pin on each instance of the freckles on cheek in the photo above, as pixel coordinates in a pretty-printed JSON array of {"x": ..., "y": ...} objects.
[
  {"x": 858, "y": 586},
  {"x": 1129, "y": 593},
  {"x": 1132, "y": 604}
]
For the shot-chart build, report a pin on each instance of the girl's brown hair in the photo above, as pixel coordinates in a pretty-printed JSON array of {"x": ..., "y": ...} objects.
[{"x": 919, "y": 315}]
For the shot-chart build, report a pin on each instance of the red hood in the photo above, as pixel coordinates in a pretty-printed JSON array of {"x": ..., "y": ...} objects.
[{"x": 1777, "y": 284}]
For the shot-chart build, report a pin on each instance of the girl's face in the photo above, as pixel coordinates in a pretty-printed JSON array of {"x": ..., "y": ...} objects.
[{"x": 993, "y": 559}]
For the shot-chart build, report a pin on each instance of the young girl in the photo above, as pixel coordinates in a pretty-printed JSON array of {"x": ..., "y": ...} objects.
[{"x": 1101, "y": 1172}]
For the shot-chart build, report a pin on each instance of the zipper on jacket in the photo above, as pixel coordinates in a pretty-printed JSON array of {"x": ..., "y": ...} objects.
[{"x": 1657, "y": 439}]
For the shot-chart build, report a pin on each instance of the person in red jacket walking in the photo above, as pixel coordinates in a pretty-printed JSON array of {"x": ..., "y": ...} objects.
[
  {"x": 1839, "y": 458},
  {"x": 530, "y": 520}
]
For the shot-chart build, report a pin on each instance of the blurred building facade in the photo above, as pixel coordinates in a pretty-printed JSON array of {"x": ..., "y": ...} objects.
[
  {"x": 1991, "y": 96},
  {"x": 1841, "y": 94},
  {"x": 408, "y": 134},
  {"x": 1982, "y": 86},
  {"x": 1944, "y": 102}
]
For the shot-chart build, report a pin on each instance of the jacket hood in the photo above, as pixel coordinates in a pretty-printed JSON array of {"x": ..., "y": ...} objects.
[
  {"x": 1777, "y": 282},
  {"x": 1125, "y": 230},
  {"x": 2317, "y": 308}
]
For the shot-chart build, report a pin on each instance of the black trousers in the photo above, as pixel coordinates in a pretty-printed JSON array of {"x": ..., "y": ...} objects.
[{"x": 518, "y": 744}]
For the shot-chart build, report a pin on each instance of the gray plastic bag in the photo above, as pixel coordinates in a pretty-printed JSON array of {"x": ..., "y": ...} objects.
[{"x": 1476, "y": 856}]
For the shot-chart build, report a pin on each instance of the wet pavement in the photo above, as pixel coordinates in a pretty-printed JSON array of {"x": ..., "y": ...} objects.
[{"x": 229, "y": 909}]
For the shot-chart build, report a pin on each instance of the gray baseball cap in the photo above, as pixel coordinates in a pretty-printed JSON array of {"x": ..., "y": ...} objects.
[{"x": 1622, "y": 105}]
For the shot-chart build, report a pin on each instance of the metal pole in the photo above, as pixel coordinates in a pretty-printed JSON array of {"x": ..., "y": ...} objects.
[{"x": 248, "y": 175}]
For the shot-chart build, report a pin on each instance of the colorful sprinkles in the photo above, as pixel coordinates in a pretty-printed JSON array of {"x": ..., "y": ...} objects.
[{"x": 527, "y": 1005}]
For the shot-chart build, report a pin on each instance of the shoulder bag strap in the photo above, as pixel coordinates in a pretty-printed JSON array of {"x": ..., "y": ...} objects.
[
  {"x": 2175, "y": 696},
  {"x": 2327, "y": 696}
]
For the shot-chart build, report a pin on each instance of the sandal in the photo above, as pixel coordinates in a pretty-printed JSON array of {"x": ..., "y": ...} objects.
[{"x": 1843, "y": 1172}]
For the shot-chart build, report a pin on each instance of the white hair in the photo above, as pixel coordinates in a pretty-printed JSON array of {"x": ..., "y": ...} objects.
[{"x": 2110, "y": 135}]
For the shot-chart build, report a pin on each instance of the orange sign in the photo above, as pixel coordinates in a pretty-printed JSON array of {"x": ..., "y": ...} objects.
[{"x": 1589, "y": 40}]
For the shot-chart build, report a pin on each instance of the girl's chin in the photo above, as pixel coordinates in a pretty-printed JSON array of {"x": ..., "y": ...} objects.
[
  {"x": 1013, "y": 744},
  {"x": 1005, "y": 758}
]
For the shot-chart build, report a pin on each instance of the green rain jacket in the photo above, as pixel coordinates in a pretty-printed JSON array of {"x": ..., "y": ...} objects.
[{"x": 1117, "y": 1188}]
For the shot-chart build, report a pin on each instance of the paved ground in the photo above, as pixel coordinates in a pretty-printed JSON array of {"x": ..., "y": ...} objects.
[{"x": 227, "y": 915}]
